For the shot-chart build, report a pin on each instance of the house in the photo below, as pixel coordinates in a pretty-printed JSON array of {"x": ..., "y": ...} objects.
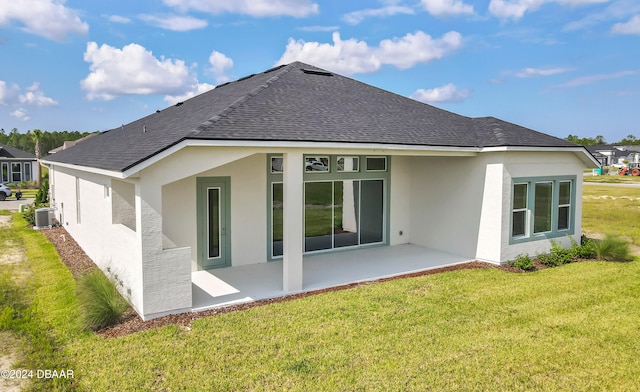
[
  {"x": 71, "y": 143},
  {"x": 610, "y": 155},
  {"x": 298, "y": 161},
  {"x": 17, "y": 165}
]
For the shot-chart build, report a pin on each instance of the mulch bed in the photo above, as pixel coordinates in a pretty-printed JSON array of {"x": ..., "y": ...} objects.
[{"x": 78, "y": 262}]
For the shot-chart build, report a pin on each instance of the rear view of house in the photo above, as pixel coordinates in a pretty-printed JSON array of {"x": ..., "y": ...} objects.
[{"x": 298, "y": 161}]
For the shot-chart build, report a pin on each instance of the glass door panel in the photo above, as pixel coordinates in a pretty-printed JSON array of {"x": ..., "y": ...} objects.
[
  {"x": 213, "y": 225},
  {"x": 346, "y": 213},
  {"x": 276, "y": 219},
  {"x": 371, "y": 211},
  {"x": 318, "y": 215}
]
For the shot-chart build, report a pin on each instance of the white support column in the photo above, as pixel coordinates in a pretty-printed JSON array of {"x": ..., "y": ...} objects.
[{"x": 293, "y": 230}]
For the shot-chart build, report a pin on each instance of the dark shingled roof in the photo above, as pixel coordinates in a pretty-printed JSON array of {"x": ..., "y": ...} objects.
[
  {"x": 297, "y": 102},
  {"x": 9, "y": 152}
]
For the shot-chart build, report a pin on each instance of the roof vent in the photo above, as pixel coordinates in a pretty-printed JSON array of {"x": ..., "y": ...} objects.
[
  {"x": 316, "y": 72},
  {"x": 179, "y": 103}
]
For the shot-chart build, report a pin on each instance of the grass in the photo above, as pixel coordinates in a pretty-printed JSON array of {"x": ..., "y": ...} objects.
[
  {"x": 42, "y": 312},
  {"x": 613, "y": 179},
  {"x": 612, "y": 210},
  {"x": 573, "y": 327},
  {"x": 101, "y": 302},
  {"x": 569, "y": 328}
]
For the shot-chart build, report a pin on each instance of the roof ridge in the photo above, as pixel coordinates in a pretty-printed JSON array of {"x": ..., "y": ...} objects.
[{"x": 237, "y": 103}]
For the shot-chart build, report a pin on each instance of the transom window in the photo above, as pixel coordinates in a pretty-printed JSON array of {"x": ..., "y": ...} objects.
[{"x": 542, "y": 208}]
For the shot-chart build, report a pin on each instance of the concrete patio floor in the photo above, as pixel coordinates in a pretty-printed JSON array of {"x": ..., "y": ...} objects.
[{"x": 234, "y": 285}]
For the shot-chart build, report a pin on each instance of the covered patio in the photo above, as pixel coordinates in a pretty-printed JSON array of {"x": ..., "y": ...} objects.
[{"x": 234, "y": 285}]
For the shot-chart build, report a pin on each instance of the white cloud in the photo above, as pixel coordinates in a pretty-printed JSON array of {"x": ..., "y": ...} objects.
[
  {"x": 256, "y": 8},
  {"x": 356, "y": 17},
  {"x": 319, "y": 28},
  {"x": 7, "y": 93},
  {"x": 533, "y": 72},
  {"x": 446, "y": 93},
  {"x": 195, "y": 90},
  {"x": 630, "y": 27},
  {"x": 352, "y": 56},
  {"x": 132, "y": 70},
  {"x": 417, "y": 48},
  {"x": 20, "y": 114},
  {"x": 220, "y": 64},
  {"x": 119, "y": 19},
  {"x": 515, "y": 9},
  {"x": 447, "y": 7},
  {"x": 46, "y": 18},
  {"x": 11, "y": 95},
  {"x": 174, "y": 22},
  {"x": 34, "y": 96},
  {"x": 584, "y": 80}
]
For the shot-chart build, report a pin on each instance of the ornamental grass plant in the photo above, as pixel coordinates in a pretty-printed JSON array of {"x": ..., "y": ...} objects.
[{"x": 101, "y": 303}]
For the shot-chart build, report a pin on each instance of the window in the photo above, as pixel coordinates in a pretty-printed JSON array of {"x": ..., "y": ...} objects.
[
  {"x": 344, "y": 206},
  {"x": 519, "y": 213},
  {"x": 542, "y": 208},
  {"x": 276, "y": 164},
  {"x": 316, "y": 164},
  {"x": 16, "y": 172},
  {"x": 5, "y": 172},
  {"x": 348, "y": 164},
  {"x": 564, "y": 205},
  {"x": 376, "y": 163},
  {"x": 27, "y": 171}
]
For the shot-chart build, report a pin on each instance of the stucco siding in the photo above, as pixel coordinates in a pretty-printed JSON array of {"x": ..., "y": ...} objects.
[
  {"x": 95, "y": 233},
  {"x": 400, "y": 199},
  {"x": 446, "y": 198},
  {"x": 526, "y": 164}
]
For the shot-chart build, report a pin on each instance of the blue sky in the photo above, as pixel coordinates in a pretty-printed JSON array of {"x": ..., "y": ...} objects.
[{"x": 557, "y": 66}]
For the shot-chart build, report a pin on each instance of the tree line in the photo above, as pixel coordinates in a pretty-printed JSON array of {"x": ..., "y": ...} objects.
[
  {"x": 38, "y": 142},
  {"x": 629, "y": 140}
]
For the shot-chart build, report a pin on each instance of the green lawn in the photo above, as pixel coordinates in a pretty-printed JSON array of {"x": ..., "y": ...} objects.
[
  {"x": 569, "y": 328},
  {"x": 575, "y": 327},
  {"x": 612, "y": 210}
]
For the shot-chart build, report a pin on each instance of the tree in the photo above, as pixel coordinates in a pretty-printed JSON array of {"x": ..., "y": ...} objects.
[
  {"x": 585, "y": 141},
  {"x": 630, "y": 140},
  {"x": 37, "y": 135}
]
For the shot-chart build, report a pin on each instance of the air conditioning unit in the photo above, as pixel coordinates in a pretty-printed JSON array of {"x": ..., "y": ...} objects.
[{"x": 44, "y": 217}]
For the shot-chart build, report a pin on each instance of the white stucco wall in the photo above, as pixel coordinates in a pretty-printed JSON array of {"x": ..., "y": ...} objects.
[
  {"x": 400, "y": 200},
  {"x": 248, "y": 210},
  {"x": 446, "y": 200},
  {"x": 113, "y": 247},
  {"x": 463, "y": 205},
  {"x": 527, "y": 164}
]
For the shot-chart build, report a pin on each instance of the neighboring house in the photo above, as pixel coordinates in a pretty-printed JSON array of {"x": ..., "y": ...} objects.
[
  {"x": 611, "y": 155},
  {"x": 298, "y": 160},
  {"x": 17, "y": 165},
  {"x": 71, "y": 143}
]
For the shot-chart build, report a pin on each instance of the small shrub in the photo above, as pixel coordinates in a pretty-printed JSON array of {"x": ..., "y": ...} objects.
[
  {"x": 586, "y": 249},
  {"x": 523, "y": 262},
  {"x": 611, "y": 248},
  {"x": 557, "y": 256},
  {"x": 100, "y": 301},
  {"x": 42, "y": 197}
]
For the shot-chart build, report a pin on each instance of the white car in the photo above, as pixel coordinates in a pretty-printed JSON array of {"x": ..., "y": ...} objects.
[{"x": 5, "y": 192}]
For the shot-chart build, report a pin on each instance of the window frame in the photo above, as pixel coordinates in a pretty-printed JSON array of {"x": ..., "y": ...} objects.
[
  {"x": 530, "y": 234},
  {"x": 333, "y": 174}
]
